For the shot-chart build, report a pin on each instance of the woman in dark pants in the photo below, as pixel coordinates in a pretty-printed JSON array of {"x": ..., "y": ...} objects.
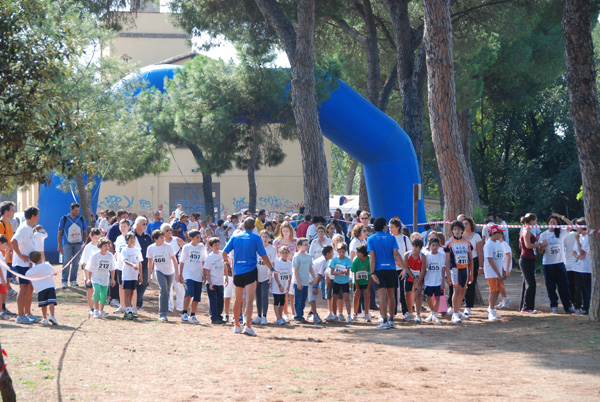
[{"x": 528, "y": 243}]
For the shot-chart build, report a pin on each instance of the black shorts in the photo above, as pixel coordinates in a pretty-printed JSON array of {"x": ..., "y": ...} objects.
[
  {"x": 388, "y": 278},
  {"x": 340, "y": 288},
  {"x": 22, "y": 271},
  {"x": 409, "y": 286},
  {"x": 433, "y": 291},
  {"x": 462, "y": 276},
  {"x": 47, "y": 297},
  {"x": 361, "y": 287},
  {"x": 8, "y": 273},
  {"x": 119, "y": 277},
  {"x": 278, "y": 300},
  {"x": 130, "y": 285},
  {"x": 243, "y": 280}
]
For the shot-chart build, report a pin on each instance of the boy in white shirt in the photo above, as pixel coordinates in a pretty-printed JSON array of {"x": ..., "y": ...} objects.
[
  {"x": 43, "y": 286},
  {"x": 492, "y": 268},
  {"x": 192, "y": 275},
  {"x": 213, "y": 270},
  {"x": 89, "y": 250},
  {"x": 280, "y": 285},
  {"x": 100, "y": 272},
  {"x": 582, "y": 268},
  {"x": 129, "y": 263},
  {"x": 319, "y": 266},
  {"x": 39, "y": 235},
  {"x": 432, "y": 276}
]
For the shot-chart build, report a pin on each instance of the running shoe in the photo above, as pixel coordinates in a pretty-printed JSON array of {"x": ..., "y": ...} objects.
[
  {"x": 45, "y": 322},
  {"x": 113, "y": 302},
  {"x": 408, "y": 317},
  {"x": 463, "y": 316},
  {"x": 328, "y": 316},
  {"x": 429, "y": 318},
  {"x": 391, "y": 323},
  {"x": 52, "y": 320},
  {"x": 450, "y": 311},
  {"x": 492, "y": 317},
  {"x": 9, "y": 313},
  {"x": 341, "y": 317},
  {"x": 237, "y": 329},
  {"x": 185, "y": 317},
  {"x": 367, "y": 317},
  {"x": 163, "y": 318},
  {"x": 104, "y": 314},
  {"x": 97, "y": 314},
  {"x": 263, "y": 321},
  {"x": 280, "y": 321},
  {"x": 571, "y": 310},
  {"x": 582, "y": 312},
  {"x": 436, "y": 319},
  {"x": 134, "y": 311},
  {"x": 120, "y": 310},
  {"x": 383, "y": 326},
  {"x": 353, "y": 316},
  {"x": 194, "y": 320},
  {"x": 34, "y": 319},
  {"x": 554, "y": 310},
  {"x": 467, "y": 311},
  {"x": 248, "y": 331},
  {"x": 361, "y": 315},
  {"x": 317, "y": 319},
  {"x": 74, "y": 284},
  {"x": 350, "y": 320},
  {"x": 418, "y": 319},
  {"x": 12, "y": 294},
  {"x": 525, "y": 311},
  {"x": 4, "y": 316},
  {"x": 456, "y": 318},
  {"x": 331, "y": 317}
]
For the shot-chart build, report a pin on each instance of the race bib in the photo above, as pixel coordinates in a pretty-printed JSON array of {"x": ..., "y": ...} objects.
[
  {"x": 74, "y": 234},
  {"x": 461, "y": 261},
  {"x": 104, "y": 265},
  {"x": 498, "y": 254},
  {"x": 195, "y": 256},
  {"x": 433, "y": 266},
  {"x": 415, "y": 273},
  {"x": 554, "y": 249},
  {"x": 362, "y": 275},
  {"x": 160, "y": 259},
  {"x": 340, "y": 268},
  {"x": 284, "y": 277}
]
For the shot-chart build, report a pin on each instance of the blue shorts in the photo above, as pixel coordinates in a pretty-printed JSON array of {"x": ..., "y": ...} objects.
[
  {"x": 462, "y": 277},
  {"x": 433, "y": 291},
  {"x": 130, "y": 285},
  {"x": 193, "y": 289},
  {"x": 22, "y": 271}
]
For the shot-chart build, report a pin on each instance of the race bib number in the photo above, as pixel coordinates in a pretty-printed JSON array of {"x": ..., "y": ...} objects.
[
  {"x": 195, "y": 256},
  {"x": 498, "y": 254},
  {"x": 340, "y": 268},
  {"x": 461, "y": 260},
  {"x": 284, "y": 277},
  {"x": 433, "y": 266},
  {"x": 104, "y": 265},
  {"x": 554, "y": 249},
  {"x": 415, "y": 273},
  {"x": 160, "y": 259},
  {"x": 362, "y": 275}
]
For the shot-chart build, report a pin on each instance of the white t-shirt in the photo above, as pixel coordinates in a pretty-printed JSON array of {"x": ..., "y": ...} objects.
[
  {"x": 134, "y": 256},
  {"x": 162, "y": 256},
  {"x": 495, "y": 251},
  {"x": 320, "y": 265},
  {"x": 284, "y": 276},
  {"x": 193, "y": 226},
  {"x": 354, "y": 244},
  {"x": 215, "y": 264},
  {"x": 178, "y": 213},
  {"x": 103, "y": 225},
  {"x": 475, "y": 238},
  {"x": 404, "y": 245},
  {"x": 26, "y": 242},
  {"x": 40, "y": 271},
  {"x": 583, "y": 266},
  {"x": 121, "y": 244},
  {"x": 39, "y": 238},
  {"x": 88, "y": 251},
  {"x": 263, "y": 270},
  {"x": 311, "y": 233},
  {"x": 507, "y": 256},
  {"x": 100, "y": 267},
  {"x": 434, "y": 268},
  {"x": 193, "y": 259},
  {"x": 174, "y": 244},
  {"x": 570, "y": 245},
  {"x": 555, "y": 250},
  {"x": 316, "y": 247}
]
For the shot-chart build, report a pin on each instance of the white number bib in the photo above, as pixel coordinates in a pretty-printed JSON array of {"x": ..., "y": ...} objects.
[{"x": 362, "y": 275}]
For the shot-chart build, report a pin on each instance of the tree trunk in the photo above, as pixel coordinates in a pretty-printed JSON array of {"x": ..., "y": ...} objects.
[
  {"x": 442, "y": 109},
  {"x": 209, "y": 204},
  {"x": 350, "y": 177},
  {"x": 464, "y": 128},
  {"x": 299, "y": 47},
  {"x": 252, "y": 178},
  {"x": 86, "y": 210},
  {"x": 583, "y": 106},
  {"x": 6, "y": 388},
  {"x": 363, "y": 199},
  {"x": 411, "y": 75}
]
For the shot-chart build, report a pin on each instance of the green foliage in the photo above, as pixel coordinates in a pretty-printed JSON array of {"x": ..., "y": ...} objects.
[{"x": 340, "y": 166}]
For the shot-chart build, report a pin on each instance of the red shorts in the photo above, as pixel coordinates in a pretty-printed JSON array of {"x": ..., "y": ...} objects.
[{"x": 3, "y": 289}]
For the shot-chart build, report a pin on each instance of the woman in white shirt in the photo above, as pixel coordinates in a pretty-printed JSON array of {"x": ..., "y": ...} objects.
[
  {"x": 553, "y": 262},
  {"x": 316, "y": 246},
  {"x": 359, "y": 237}
]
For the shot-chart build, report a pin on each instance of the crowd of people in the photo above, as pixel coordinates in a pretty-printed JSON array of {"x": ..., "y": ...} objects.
[{"x": 355, "y": 263}]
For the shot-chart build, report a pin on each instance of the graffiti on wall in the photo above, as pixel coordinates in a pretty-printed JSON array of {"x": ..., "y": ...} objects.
[
  {"x": 116, "y": 202},
  {"x": 270, "y": 203},
  {"x": 192, "y": 205},
  {"x": 145, "y": 207}
]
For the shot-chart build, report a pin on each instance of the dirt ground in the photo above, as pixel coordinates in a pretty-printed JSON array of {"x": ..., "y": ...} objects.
[{"x": 541, "y": 357}]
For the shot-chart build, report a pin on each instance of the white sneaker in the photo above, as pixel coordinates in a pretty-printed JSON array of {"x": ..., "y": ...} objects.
[
  {"x": 237, "y": 329},
  {"x": 185, "y": 317},
  {"x": 383, "y": 325},
  {"x": 194, "y": 320},
  {"x": 341, "y": 317},
  {"x": 492, "y": 317},
  {"x": 418, "y": 319},
  {"x": 45, "y": 322},
  {"x": 361, "y": 315},
  {"x": 380, "y": 320},
  {"x": 467, "y": 311},
  {"x": 96, "y": 313},
  {"x": 353, "y": 316},
  {"x": 134, "y": 310},
  {"x": 286, "y": 318},
  {"x": 280, "y": 321},
  {"x": 317, "y": 319},
  {"x": 456, "y": 318},
  {"x": 120, "y": 310},
  {"x": 256, "y": 320},
  {"x": 429, "y": 318},
  {"x": 436, "y": 319},
  {"x": 495, "y": 314},
  {"x": 463, "y": 316},
  {"x": 506, "y": 302},
  {"x": 52, "y": 320},
  {"x": 391, "y": 323},
  {"x": 113, "y": 302},
  {"x": 328, "y": 316},
  {"x": 263, "y": 321},
  {"x": 248, "y": 331},
  {"x": 104, "y": 314},
  {"x": 367, "y": 317},
  {"x": 408, "y": 317},
  {"x": 163, "y": 318},
  {"x": 91, "y": 312},
  {"x": 450, "y": 311},
  {"x": 350, "y": 320}
]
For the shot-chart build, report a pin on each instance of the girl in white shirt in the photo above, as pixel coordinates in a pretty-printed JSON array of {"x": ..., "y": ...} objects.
[{"x": 161, "y": 256}]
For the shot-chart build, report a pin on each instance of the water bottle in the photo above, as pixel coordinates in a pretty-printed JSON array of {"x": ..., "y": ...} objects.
[{"x": 60, "y": 258}]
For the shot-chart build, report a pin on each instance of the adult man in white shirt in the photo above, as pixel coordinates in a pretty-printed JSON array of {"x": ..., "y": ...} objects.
[{"x": 23, "y": 244}]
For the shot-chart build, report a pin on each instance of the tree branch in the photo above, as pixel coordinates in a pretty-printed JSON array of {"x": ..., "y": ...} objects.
[
  {"x": 342, "y": 24},
  {"x": 280, "y": 23}
]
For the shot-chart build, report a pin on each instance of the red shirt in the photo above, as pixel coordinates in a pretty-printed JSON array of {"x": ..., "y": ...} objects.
[{"x": 302, "y": 228}]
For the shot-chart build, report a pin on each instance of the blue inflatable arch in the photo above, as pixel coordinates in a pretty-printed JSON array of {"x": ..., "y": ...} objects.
[{"x": 348, "y": 120}]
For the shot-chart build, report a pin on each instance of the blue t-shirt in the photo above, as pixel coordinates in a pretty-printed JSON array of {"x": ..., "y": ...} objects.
[
  {"x": 339, "y": 265},
  {"x": 65, "y": 223},
  {"x": 383, "y": 244},
  {"x": 245, "y": 246},
  {"x": 152, "y": 226}
]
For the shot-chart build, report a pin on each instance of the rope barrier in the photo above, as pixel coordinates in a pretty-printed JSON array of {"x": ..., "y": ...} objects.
[{"x": 3, "y": 368}]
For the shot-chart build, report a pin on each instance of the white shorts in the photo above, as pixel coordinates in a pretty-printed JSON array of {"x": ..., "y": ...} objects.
[{"x": 228, "y": 290}]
